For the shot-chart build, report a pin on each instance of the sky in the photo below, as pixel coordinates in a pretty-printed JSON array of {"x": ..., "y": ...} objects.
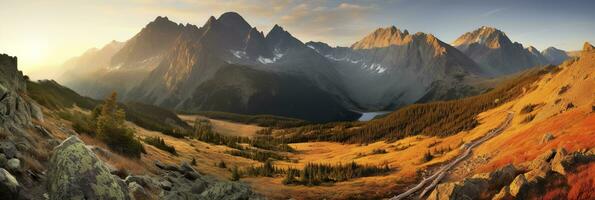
[{"x": 44, "y": 34}]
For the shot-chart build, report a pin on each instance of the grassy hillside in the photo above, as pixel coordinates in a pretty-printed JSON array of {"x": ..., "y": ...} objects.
[
  {"x": 54, "y": 96},
  {"x": 442, "y": 118}
]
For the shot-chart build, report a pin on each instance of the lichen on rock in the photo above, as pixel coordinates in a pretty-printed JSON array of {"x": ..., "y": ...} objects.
[{"x": 76, "y": 173}]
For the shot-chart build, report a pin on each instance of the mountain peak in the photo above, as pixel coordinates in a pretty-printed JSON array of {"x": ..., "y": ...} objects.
[
  {"x": 588, "y": 47},
  {"x": 235, "y": 20},
  {"x": 485, "y": 35},
  {"x": 277, "y": 28},
  {"x": 532, "y": 49},
  {"x": 383, "y": 37}
]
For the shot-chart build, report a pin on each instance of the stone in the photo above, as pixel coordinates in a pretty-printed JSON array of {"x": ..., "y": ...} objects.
[
  {"x": 556, "y": 163},
  {"x": 8, "y": 149},
  {"x": 3, "y": 160},
  {"x": 168, "y": 167},
  {"x": 546, "y": 138},
  {"x": 542, "y": 159},
  {"x": 192, "y": 175},
  {"x": 14, "y": 164},
  {"x": 43, "y": 131},
  {"x": 500, "y": 177},
  {"x": 504, "y": 194},
  {"x": 9, "y": 186},
  {"x": 518, "y": 184},
  {"x": 36, "y": 112},
  {"x": 470, "y": 188},
  {"x": 137, "y": 192},
  {"x": 228, "y": 190},
  {"x": 144, "y": 181},
  {"x": 165, "y": 184},
  {"x": 185, "y": 167},
  {"x": 75, "y": 172}
]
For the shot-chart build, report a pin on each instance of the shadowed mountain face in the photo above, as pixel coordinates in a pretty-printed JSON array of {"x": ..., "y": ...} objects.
[
  {"x": 181, "y": 67},
  {"x": 496, "y": 53},
  {"x": 390, "y": 67},
  {"x": 555, "y": 56}
]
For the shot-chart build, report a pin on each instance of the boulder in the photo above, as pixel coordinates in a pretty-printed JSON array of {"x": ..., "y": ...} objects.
[
  {"x": 75, "y": 172},
  {"x": 13, "y": 165},
  {"x": 165, "y": 184},
  {"x": 556, "y": 163},
  {"x": 144, "y": 181},
  {"x": 229, "y": 190},
  {"x": 8, "y": 149},
  {"x": 546, "y": 138},
  {"x": 9, "y": 186},
  {"x": 471, "y": 188},
  {"x": 518, "y": 184},
  {"x": 43, "y": 131},
  {"x": 36, "y": 112},
  {"x": 543, "y": 159},
  {"x": 3, "y": 160},
  {"x": 185, "y": 167},
  {"x": 168, "y": 167},
  {"x": 137, "y": 192},
  {"x": 504, "y": 194},
  {"x": 500, "y": 177}
]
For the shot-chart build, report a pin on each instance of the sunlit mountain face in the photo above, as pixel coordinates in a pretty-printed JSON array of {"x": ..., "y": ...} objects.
[{"x": 267, "y": 99}]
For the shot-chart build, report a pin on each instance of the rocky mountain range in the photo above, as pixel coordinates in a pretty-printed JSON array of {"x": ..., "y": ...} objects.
[
  {"x": 228, "y": 65},
  {"x": 496, "y": 53}
]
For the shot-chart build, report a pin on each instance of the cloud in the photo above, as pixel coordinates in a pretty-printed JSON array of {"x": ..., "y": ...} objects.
[
  {"x": 339, "y": 23},
  {"x": 492, "y": 12}
]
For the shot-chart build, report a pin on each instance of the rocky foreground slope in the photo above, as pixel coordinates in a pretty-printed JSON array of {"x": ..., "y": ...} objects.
[
  {"x": 548, "y": 154},
  {"x": 34, "y": 164}
]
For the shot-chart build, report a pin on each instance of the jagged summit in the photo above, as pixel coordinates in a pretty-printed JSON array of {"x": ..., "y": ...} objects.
[
  {"x": 485, "y": 35},
  {"x": 235, "y": 21},
  {"x": 532, "y": 49},
  {"x": 383, "y": 37}
]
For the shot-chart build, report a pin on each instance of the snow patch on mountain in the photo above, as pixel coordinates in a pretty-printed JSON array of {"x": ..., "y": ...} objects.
[
  {"x": 277, "y": 55},
  {"x": 374, "y": 67},
  {"x": 239, "y": 54}
]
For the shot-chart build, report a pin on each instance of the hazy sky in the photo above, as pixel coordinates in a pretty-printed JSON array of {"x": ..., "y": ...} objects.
[{"x": 43, "y": 34}]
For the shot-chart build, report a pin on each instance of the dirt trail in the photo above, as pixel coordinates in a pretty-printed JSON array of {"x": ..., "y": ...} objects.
[{"x": 441, "y": 173}]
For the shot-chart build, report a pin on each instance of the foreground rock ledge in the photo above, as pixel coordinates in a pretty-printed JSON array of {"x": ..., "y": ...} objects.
[{"x": 76, "y": 173}]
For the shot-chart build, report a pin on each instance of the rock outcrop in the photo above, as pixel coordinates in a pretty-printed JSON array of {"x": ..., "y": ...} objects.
[
  {"x": 9, "y": 186},
  {"x": 183, "y": 182},
  {"x": 494, "y": 51},
  {"x": 75, "y": 172},
  {"x": 480, "y": 186},
  {"x": 546, "y": 172}
]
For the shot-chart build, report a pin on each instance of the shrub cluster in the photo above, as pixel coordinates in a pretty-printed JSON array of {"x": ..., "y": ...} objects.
[{"x": 160, "y": 144}]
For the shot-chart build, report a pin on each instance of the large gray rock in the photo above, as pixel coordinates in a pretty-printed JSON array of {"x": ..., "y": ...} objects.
[
  {"x": 14, "y": 164},
  {"x": 229, "y": 190},
  {"x": 36, "y": 112},
  {"x": 9, "y": 186},
  {"x": 75, "y": 172},
  {"x": 137, "y": 192}
]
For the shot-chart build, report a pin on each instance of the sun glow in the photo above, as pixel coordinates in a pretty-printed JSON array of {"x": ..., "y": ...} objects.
[{"x": 34, "y": 50}]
